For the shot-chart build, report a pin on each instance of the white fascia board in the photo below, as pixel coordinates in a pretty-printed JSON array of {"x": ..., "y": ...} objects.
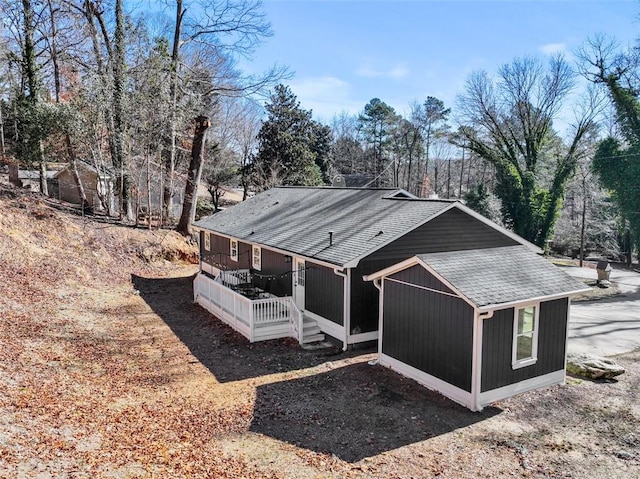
[
  {"x": 499, "y": 228},
  {"x": 394, "y": 268},
  {"x": 538, "y": 299}
]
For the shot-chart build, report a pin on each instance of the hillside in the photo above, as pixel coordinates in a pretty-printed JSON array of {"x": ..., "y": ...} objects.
[{"x": 109, "y": 370}]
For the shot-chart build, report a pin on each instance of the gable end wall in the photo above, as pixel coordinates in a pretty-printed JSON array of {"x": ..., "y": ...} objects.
[
  {"x": 429, "y": 331},
  {"x": 453, "y": 230}
]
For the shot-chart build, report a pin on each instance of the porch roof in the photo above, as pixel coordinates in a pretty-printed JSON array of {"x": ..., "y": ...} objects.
[{"x": 299, "y": 220}]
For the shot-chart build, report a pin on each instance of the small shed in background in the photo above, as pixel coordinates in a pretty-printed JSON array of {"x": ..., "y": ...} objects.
[{"x": 477, "y": 325}]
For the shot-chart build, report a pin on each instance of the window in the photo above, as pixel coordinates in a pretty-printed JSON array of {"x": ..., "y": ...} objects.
[
  {"x": 301, "y": 273},
  {"x": 207, "y": 241},
  {"x": 233, "y": 250},
  {"x": 525, "y": 337},
  {"x": 256, "y": 258}
]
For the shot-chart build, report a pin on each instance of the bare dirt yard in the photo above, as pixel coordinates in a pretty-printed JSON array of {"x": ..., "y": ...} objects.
[{"x": 108, "y": 370}]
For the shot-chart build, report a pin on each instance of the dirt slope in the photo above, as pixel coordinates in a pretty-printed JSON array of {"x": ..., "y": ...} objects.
[{"x": 108, "y": 369}]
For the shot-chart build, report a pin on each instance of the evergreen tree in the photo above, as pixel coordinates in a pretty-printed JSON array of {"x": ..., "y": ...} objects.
[
  {"x": 293, "y": 149},
  {"x": 376, "y": 123},
  {"x": 617, "y": 163}
]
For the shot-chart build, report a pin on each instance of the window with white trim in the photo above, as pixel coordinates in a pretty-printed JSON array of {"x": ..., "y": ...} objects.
[
  {"x": 233, "y": 250},
  {"x": 256, "y": 258},
  {"x": 207, "y": 241},
  {"x": 525, "y": 336}
]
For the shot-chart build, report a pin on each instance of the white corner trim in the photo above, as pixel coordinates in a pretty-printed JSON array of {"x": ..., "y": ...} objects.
[
  {"x": 488, "y": 397},
  {"x": 476, "y": 361},
  {"x": 431, "y": 382}
]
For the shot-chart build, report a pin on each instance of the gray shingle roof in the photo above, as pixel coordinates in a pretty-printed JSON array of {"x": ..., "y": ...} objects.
[
  {"x": 298, "y": 220},
  {"x": 501, "y": 275}
]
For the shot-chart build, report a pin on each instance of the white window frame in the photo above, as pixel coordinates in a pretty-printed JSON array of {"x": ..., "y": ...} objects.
[
  {"x": 207, "y": 241},
  {"x": 256, "y": 257},
  {"x": 521, "y": 363},
  {"x": 233, "y": 249}
]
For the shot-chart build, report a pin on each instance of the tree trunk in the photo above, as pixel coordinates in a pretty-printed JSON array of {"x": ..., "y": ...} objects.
[
  {"x": 449, "y": 178},
  {"x": 461, "y": 175},
  {"x": 193, "y": 176},
  {"x": 149, "y": 190},
  {"x": 173, "y": 91},
  {"x": 582, "y": 226},
  {"x": 44, "y": 188},
  {"x": 2, "y": 147}
]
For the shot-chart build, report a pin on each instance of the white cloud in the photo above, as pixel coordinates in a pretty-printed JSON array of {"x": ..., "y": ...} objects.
[
  {"x": 326, "y": 96},
  {"x": 396, "y": 72},
  {"x": 551, "y": 48}
]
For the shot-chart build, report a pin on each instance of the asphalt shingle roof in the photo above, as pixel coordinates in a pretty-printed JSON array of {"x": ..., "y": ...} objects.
[
  {"x": 299, "y": 219},
  {"x": 501, "y": 275}
]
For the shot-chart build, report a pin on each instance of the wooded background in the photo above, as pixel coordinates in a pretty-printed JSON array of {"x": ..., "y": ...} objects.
[{"x": 157, "y": 100}]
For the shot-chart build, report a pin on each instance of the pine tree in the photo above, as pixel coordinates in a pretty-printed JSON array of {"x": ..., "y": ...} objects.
[{"x": 293, "y": 148}]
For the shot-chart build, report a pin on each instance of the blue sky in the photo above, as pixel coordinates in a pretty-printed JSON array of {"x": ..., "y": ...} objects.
[{"x": 346, "y": 52}]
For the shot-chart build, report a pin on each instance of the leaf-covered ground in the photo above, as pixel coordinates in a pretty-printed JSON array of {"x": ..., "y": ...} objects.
[{"x": 108, "y": 369}]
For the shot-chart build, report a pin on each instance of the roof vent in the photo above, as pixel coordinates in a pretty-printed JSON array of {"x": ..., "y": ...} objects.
[
  {"x": 330, "y": 238},
  {"x": 433, "y": 196}
]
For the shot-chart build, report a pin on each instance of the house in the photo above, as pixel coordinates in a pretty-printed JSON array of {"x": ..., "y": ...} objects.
[
  {"x": 477, "y": 325},
  {"x": 98, "y": 186},
  {"x": 30, "y": 179},
  {"x": 355, "y": 180},
  {"x": 344, "y": 262}
]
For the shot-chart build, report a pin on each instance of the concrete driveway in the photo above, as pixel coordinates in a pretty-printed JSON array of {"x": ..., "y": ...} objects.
[{"x": 609, "y": 326}]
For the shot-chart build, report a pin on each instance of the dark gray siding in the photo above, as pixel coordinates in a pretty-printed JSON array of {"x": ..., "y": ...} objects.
[
  {"x": 453, "y": 230},
  {"x": 497, "y": 344},
  {"x": 364, "y": 296},
  {"x": 324, "y": 293},
  {"x": 275, "y": 275},
  {"x": 418, "y": 275},
  {"x": 244, "y": 257},
  {"x": 218, "y": 255},
  {"x": 430, "y": 331}
]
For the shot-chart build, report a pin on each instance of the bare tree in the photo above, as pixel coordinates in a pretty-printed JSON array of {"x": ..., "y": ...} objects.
[
  {"x": 223, "y": 29},
  {"x": 512, "y": 119}
]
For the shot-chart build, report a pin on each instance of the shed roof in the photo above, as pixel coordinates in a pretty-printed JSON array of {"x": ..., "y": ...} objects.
[
  {"x": 34, "y": 174},
  {"x": 502, "y": 275},
  {"x": 299, "y": 219}
]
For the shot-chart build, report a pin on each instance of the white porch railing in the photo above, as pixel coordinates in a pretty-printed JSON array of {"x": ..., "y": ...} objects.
[
  {"x": 257, "y": 320},
  {"x": 237, "y": 276}
]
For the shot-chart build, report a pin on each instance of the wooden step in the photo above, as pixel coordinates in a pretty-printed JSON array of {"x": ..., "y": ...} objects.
[{"x": 311, "y": 333}]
